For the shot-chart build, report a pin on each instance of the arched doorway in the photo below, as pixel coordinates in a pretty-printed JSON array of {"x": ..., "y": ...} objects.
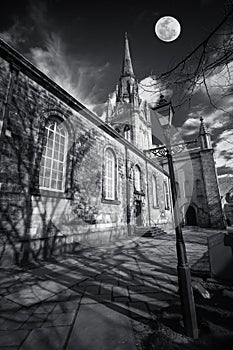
[{"x": 190, "y": 217}]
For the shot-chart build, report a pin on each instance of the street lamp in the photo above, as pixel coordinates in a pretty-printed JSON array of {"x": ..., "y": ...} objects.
[{"x": 164, "y": 113}]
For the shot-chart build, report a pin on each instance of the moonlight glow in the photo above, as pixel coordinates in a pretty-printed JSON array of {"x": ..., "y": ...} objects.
[{"x": 167, "y": 28}]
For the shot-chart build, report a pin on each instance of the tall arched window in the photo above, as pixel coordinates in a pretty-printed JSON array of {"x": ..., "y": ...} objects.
[
  {"x": 110, "y": 175},
  {"x": 166, "y": 195},
  {"x": 154, "y": 191},
  {"x": 53, "y": 161},
  {"x": 137, "y": 178}
]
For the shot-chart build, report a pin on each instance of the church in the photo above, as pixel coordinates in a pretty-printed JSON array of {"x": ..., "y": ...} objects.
[{"x": 68, "y": 177}]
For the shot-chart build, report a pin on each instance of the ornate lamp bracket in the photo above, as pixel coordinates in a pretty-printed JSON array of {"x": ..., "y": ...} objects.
[{"x": 174, "y": 149}]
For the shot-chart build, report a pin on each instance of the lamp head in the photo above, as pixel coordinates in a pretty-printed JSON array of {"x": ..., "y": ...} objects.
[{"x": 164, "y": 111}]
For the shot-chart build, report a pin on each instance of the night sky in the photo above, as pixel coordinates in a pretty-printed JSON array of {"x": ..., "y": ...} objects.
[{"x": 80, "y": 45}]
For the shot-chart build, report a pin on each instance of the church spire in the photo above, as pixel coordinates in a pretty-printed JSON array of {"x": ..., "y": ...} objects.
[
  {"x": 204, "y": 135},
  {"x": 127, "y": 91},
  {"x": 127, "y": 67}
]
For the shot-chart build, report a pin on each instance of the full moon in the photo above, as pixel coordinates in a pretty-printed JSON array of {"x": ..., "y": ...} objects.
[{"x": 167, "y": 28}]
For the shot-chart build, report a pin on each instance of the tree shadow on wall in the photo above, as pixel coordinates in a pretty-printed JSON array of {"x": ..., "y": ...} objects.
[{"x": 29, "y": 233}]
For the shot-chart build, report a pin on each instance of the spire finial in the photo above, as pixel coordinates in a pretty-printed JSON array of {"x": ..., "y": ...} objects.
[
  {"x": 204, "y": 135},
  {"x": 203, "y": 129}
]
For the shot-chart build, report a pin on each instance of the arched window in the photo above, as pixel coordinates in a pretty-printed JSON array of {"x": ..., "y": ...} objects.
[
  {"x": 137, "y": 178},
  {"x": 154, "y": 191},
  {"x": 166, "y": 195},
  {"x": 53, "y": 161},
  {"x": 110, "y": 175}
]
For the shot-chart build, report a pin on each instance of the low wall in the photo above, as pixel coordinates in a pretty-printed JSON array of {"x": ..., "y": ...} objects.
[{"x": 220, "y": 247}]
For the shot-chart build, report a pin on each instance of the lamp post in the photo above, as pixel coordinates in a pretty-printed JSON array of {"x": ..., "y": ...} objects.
[{"x": 164, "y": 113}]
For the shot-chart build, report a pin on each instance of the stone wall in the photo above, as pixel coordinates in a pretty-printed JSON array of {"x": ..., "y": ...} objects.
[
  {"x": 212, "y": 189},
  {"x": 36, "y": 223}
]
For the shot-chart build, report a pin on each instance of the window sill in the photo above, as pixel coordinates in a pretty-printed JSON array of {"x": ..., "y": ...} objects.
[
  {"x": 156, "y": 206},
  {"x": 53, "y": 194},
  {"x": 110, "y": 201}
]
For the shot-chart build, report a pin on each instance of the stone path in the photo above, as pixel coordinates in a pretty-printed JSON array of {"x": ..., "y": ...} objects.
[{"x": 88, "y": 300}]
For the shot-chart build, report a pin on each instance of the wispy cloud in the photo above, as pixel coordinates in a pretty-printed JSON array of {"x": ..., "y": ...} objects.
[
  {"x": 78, "y": 77},
  {"x": 150, "y": 90},
  {"x": 76, "y": 74},
  {"x": 224, "y": 150}
]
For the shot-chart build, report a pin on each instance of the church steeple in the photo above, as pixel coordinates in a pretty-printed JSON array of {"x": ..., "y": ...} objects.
[
  {"x": 127, "y": 91},
  {"x": 128, "y": 115},
  {"x": 204, "y": 135},
  {"x": 127, "y": 67}
]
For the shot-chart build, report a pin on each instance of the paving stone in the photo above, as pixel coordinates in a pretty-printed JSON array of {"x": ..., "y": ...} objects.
[
  {"x": 103, "y": 298},
  {"x": 12, "y": 321},
  {"x": 122, "y": 299},
  {"x": 142, "y": 297},
  {"x": 61, "y": 319},
  {"x": 66, "y": 295},
  {"x": 142, "y": 289},
  {"x": 51, "y": 338},
  {"x": 86, "y": 300},
  {"x": 9, "y": 338},
  {"x": 87, "y": 282},
  {"x": 36, "y": 293},
  {"x": 106, "y": 289},
  {"x": 139, "y": 309},
  {"x": 44, "y": 308},
  {"x": 7, "y": 305},
  {"x": 120, "y": 291},
  {"x": 97, "y": 327},
  {"x": 157, "y": 305},
  {"x": 35, "y": 321},
  {"x": 66, "y": 306},
  {"x": 110, "y": 281},
  {"x": 92, "y": 290}
]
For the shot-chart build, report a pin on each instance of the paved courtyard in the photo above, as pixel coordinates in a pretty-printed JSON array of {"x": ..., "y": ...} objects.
[{"x": 91, "y": 298}]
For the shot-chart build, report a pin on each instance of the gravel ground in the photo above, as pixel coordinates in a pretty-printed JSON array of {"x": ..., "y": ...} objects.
[{"x": 215, "y": 322}]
